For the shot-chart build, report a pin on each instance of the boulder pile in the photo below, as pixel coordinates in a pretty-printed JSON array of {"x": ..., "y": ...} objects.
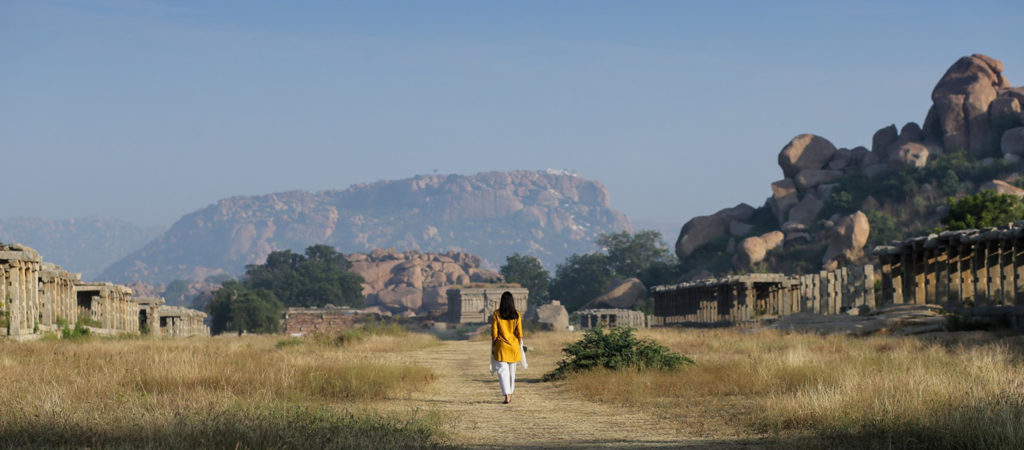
[
  {"x": 974, "y": 109},
  {"x": 413, "y": 281}
]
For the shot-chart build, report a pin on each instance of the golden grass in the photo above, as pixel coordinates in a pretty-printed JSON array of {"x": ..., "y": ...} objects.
[
  {"x": 216, "y": 392},
  {"x": 829, "y": 390}
]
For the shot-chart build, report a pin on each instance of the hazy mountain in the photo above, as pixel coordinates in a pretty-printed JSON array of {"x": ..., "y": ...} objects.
[
  {"x": 549, "y": 214},
  {"x": 85, "y": 245}
]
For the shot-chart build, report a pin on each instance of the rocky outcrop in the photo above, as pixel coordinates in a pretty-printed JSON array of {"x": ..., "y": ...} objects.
[
  {"x": 701, "y": 230},
  {"x": 547, "y": 214},
  {"x": 752, "y": 250},
  {"x": 552, "y": 316},
  {"x": 805, "y": 152},
  {"x": 1012, "y": 142},
  {"x": 959, "y": 114},
  {"x": 846, "y": 240},
  {"x": 1002, "y": 187},
  {"x": 623, "y": 295},
  {"x": 413, "y": 280}
]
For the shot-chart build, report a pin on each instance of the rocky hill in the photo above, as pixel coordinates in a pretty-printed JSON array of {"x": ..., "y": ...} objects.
[
  {"x": 833, "y": 202},
  {"x": 548, "y": 214},
  {"x": 86, "y": 245}
]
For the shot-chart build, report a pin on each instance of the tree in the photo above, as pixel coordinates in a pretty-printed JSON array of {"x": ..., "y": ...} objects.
[
  {"x": 237, "y": 308},
  {"x": 322, "y": 276},
  {"x": 984, "y": 209},
  {"x": 581, "y": 278},
  {"x": 642, "y": 255},
  {"x": 528, "y": 272}
]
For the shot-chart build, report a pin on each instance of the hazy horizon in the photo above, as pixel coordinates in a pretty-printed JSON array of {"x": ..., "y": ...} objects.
[{"x": 145, "y": 111}]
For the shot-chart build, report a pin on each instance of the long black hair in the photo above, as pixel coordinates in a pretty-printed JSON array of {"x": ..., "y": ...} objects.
[{"x": 507, "y": 307}]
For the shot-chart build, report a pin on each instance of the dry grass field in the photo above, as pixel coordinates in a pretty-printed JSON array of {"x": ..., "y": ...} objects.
[
  {"x": 222, "y": 392},
  {"x": 829, "y": 391},
  {"x": 749, "y": 389}
]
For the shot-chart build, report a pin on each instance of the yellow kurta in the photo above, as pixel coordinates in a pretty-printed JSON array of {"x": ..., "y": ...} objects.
[{"x": 505, "y": 337}]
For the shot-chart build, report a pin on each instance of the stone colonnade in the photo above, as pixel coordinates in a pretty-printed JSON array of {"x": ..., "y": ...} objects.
[
  {"x": 38, "y": 297},
  {"x": 57, "y": 295},
  {"x": 110, "y": 305},
  {"x": 744, "y": 298},
  {"x": 956, "y": 269},
  {"x": 19, "y": 290},
  {"x": 611, "y": 317}
]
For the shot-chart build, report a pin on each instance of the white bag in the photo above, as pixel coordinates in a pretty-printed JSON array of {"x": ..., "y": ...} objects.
[{"x": 522, "y": 355}]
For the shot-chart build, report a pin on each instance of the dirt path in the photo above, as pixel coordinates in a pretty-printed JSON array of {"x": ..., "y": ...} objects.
[{"x": 540, "y": 415}]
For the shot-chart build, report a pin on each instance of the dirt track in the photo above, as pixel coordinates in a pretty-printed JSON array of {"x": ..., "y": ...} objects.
[{"x": 540, "y": 415}]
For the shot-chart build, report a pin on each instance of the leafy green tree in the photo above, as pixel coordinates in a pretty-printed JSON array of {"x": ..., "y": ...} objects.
[
  {"x": 984, "y": 209},
  {"x": 642, "y": 255},
  {"x": 581, "y": 278},
  {"x": 528, "y": 272},
  {"x": 237, "y": 308},
  {"x": 322, "y": 276}
]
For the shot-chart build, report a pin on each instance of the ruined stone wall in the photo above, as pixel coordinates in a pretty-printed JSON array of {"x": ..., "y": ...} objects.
[
  {"x": 112, "y": 306},
  {"x": 978, "y": 272},
  {"x": 176, "y": 321},
  {"x": 476, "y": 303},
  {"x": 611, "y": 317},
  {"x": 744, "y": 298},
  {"x": 57, "y": 296},
  {"x": 20, "y": 273},
  {"x": 305, "y": 321}
]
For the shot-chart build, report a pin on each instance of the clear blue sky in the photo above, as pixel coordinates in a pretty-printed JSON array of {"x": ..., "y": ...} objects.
[{"x": 147, "y": 110}]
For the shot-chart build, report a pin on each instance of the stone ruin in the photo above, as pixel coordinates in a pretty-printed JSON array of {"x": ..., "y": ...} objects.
[
  {"x": 739, "y": 299},
  {"x": 327, "y": 320},
  {"x": 611, "y": 317},
  {"x": 476, "y": 303},
  {"x": 552, "y": 316},
  {"x": 38, "y": 297},
  {"x": 973, "y": 272},
  {"x": 158, "y": 319}
]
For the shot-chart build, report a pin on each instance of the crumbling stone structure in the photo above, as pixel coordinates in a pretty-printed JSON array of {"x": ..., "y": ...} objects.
[
  {"x": 476, "y": 303},
  {"x": 110, "y": 305},
  {"x": 38, "y": 297},
  {"x": 743, "y": 298},
  {"x": 19, "y": 290},
  {"x": 177, "y": 321},
  {"x": 611, "y": 317},
  {"x": 327, "y": 320},
  {"x": 979, "y": 272}
]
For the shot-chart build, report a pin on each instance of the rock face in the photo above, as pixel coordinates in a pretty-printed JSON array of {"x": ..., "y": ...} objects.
[
  {"x": 1012, "y": 142},
  {"x": 415, "y": 281},
  {"x": 701, "y": 230},
  {"x": 547, "y": 214},
  {"x": 752, "y": 250},
  {"x": 847, "y": 239},
  {"x": 622, "y": 296},
  {"x": 911, "y": 154},
  {"x": 960, "y": 103},
  {"x": 806, "y": 151},
  {"x": 1002, "y": 187}
]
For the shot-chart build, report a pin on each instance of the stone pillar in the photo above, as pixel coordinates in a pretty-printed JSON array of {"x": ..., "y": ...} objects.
[
  {"x": 1018, "y": 265},
  {"x": 1006, "y": 262},
  {"x": 980, "y": 273}
]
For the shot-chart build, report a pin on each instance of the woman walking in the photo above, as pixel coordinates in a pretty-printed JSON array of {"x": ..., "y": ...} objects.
[{"x": 506, "y": 343}]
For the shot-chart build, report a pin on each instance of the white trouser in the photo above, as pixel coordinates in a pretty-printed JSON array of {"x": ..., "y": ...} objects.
[{"x": 506, "y": 377}]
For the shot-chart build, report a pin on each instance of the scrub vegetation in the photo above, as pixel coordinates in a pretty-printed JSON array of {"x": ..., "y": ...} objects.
[
  {"x": 223, "y": 392},
  {"x": 827, "y": 391}
]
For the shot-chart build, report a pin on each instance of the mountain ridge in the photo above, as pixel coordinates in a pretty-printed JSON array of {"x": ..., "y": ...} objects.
[{"x": 549, "y": 214}]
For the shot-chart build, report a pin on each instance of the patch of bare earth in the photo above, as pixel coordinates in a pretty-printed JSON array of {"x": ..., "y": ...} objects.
[{"x": 541, "y": 414}]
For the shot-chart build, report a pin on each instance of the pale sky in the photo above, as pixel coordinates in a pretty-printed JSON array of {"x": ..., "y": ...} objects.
[{"x": 148, "y": 110}]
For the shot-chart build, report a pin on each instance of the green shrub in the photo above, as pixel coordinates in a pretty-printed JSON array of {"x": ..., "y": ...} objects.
[
  {"x": 616, "y": 349},
  {"x": 984, "y": 209},
  {"x": 289, "y": 342}
]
